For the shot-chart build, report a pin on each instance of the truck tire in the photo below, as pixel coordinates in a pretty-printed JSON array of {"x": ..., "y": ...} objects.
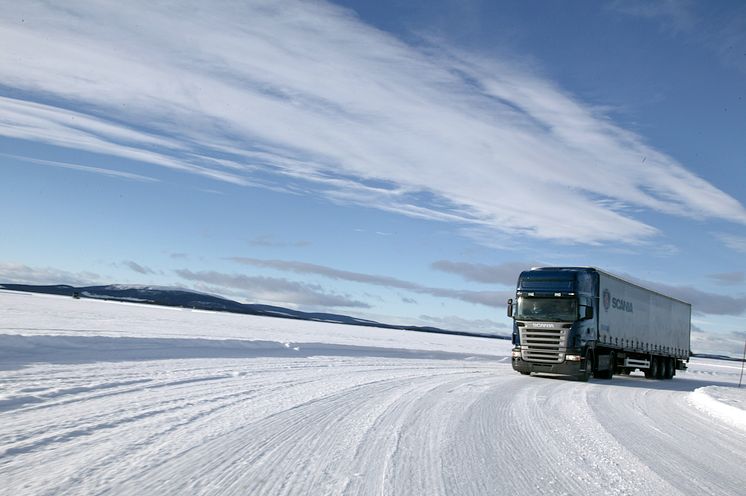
[
  {"x": 525, "y": 373},
  {"x": 661, "y": 368},
  {"x": 584, "y": 375},
  {"x": 668, "y": 373},
  {"x": 609, "y": 373},
  {"x": 652, "y": 371}
]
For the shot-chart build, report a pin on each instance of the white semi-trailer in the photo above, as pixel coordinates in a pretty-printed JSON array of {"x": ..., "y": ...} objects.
[{"x": 581, "y": 321}]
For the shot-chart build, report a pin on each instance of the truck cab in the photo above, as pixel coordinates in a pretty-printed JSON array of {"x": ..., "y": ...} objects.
[{"x": 554, "y": 321}]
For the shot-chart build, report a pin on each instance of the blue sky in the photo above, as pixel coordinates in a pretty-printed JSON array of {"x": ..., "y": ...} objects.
[{"x": 400, "y": 161}]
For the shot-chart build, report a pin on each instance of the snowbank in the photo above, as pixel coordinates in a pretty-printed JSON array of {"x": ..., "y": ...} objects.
[{"x": 727, "y": 404}]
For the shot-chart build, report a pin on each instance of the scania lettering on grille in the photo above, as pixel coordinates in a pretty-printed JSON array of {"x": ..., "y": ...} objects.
[{"x": 543, "y": 325}]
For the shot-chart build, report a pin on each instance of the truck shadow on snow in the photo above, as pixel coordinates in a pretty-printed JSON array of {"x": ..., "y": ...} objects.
[
  {"x": 681, "y": 382},
  {"x": 17, "y": 351}
]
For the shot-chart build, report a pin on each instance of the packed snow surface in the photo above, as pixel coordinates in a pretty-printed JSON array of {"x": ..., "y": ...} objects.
[{"x": 119, "y": 398}]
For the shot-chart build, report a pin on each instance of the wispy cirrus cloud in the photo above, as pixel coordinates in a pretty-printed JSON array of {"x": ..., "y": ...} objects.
[
  {"x": 306, "y": 98},
  {"x": 271, "y": 289},
  {"x": 732, "y": 241},
  {"x": 31, "y": 121},
  {"x": 723, "y": 32},
  {"x": 83, "y": 168},
  {"x": 487, "y": 298},
  {"x": 678, "y": 15}
]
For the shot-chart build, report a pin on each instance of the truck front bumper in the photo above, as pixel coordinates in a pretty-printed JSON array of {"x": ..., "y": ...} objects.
[{"x": 567, "y": 367}]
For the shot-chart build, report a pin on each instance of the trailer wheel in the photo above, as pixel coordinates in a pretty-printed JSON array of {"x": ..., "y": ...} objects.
[
  {"x": 652, "y": 371},
  {"x": 661, "y": 368},
  {"x": 668, "y": 373}
]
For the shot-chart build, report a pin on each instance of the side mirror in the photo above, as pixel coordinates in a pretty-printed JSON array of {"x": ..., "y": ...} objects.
[
  {"x": 588, "y": 312},
  {"x": 510, "y": 307}
]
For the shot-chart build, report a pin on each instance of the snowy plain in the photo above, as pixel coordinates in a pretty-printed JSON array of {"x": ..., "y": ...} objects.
[{"x": 119, "y": 398}]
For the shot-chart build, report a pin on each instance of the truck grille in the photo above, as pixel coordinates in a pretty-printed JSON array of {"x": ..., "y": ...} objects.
[{"x": 543, "y": 344}]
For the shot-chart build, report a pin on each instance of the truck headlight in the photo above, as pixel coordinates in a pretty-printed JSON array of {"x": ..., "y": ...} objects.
[
  {"x": 572, "y": 358},
  {"x": 515, "y": 353}
]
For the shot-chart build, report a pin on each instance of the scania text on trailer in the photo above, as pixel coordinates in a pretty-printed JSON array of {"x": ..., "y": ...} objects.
[{"x": 581, "y": 321}]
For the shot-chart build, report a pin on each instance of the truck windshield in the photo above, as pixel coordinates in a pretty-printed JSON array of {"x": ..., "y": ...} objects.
[{"x": 547, "y": 309}]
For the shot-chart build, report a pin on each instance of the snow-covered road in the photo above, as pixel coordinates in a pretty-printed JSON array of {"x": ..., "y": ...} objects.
[{"x": 104, "y": 398}]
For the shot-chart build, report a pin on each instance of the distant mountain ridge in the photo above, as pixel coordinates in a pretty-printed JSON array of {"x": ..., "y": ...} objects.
[{"x": 174, "y": 297}]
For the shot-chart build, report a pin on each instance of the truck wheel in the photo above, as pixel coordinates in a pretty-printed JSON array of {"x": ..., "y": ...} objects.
[
  {"x": 668, "y": 374},
  {"x": 586, "y": 374},
  {"x": 612, "y": 365},
  {"x": 652, "y": 371},
  {"x": 608, "y": 373},
  {"x": 525, "y": 373},
  {"x": 661, "y": 368}
]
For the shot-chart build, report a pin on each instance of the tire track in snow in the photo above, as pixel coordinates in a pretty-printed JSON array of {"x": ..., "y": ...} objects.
[
  {"x": 301, "y": 450},
  {"x": 654, "y": 422},
  {"x": 401, "y": 451},
  {"x": 122, "y": 455},
  {"x": 538, "y": 436}
]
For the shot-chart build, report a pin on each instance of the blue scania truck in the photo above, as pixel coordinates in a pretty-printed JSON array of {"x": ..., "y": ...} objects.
[{"x": 581, "y": 321}]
